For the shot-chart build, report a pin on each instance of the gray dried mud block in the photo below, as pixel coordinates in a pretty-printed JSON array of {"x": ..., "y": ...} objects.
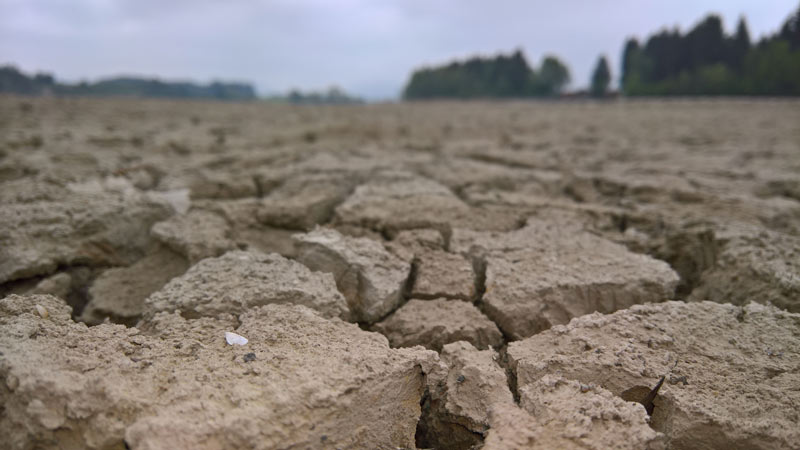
[
  {"x": 754, "y": 264},
  {"x": 58, "y": 285},
  {"x": 246, "y": 230},
  {"x": 460, "y": 173},
  {"x": 434, "y": 323},
  {"x": 537, "y": 234},
  {"x": 733, "y": 386},
  {"x": 545, "y": 274},
  {"x": 119, "y": 293},
  {"x": 420, "y": 239},
  {"x": 783, "y": 186},
  {"x": 408, "y": 243},
  {"x": 43, "y": 225},
  {"x": 565, "y": 414},
  {"x": 401, "y": 201},
  {"x": 238, "y": 281},
  {"x": 476, "y": 384},
  {"x": 238, "y": 213},
  {"x": 214, "y": 184},
  {"x": 456, "y": 415},
  {"x": 354, "y": 164},
  {"x": 372, "y": 279},
  {"x": 301, "y": 382},
  {"x": 198, "y": 234},
  {"x": 303, "y": 202},
  {"x": 443, "y": 274},
  {"x": 530, "y": 291},
  {"x": 267, "y": 240},
  {"x": 361, "y": 232},
  {"x": 777, "y": 214},
  {"x": 626, "y": 185}
]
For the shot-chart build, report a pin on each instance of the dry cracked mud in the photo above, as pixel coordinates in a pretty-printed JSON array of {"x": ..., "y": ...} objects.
[{"x": 436, "y": 275}]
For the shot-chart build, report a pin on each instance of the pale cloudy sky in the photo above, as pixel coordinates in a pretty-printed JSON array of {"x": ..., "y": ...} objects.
[{"x": 368, "y": 47}]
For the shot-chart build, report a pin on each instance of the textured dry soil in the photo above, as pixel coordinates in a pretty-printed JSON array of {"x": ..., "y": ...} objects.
[{"x": 438, "y": 275}]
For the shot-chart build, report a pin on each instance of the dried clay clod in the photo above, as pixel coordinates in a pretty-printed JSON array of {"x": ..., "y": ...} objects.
[
  {"x": 178, "y": 386},
  {"x": 739, "y": 363},
  {"x": 238, "y": 280}
]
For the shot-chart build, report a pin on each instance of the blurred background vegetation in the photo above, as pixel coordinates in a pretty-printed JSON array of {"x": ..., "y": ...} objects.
[
  {"x": 501, "y": 76},
  {"x": 706, "y": 61},
  {"x": 703, "y": 61},
  {"x": 12, "y": 80}
]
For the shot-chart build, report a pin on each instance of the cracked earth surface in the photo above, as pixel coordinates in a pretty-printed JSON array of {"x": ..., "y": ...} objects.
[{"x": 434, "y": 275}]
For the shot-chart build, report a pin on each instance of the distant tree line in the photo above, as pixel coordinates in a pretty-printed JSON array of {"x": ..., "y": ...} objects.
[
  {"x": 14, "y": 81},
  {"x": 333, "y": 96},
  {"x": 601, "y": 78},
  {"x": 706, "y": 61},
  {"x": 499, "y": 77}
]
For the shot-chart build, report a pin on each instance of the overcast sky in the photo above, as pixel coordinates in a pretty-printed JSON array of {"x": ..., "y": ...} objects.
[{"x": 368, "y": 47}]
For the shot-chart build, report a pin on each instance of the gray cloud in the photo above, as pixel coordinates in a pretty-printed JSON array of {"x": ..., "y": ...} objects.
[{"x": 367, "y": 47}]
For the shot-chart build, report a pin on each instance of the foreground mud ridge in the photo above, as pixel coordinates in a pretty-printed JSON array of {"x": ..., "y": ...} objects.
[{"x": 438, "y": 275}]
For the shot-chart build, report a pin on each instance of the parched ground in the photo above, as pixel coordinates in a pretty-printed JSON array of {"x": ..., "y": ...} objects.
[{"x": 433, "y": 275}]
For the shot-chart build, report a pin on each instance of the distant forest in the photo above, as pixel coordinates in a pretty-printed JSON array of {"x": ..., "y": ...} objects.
[
  {"x": 14, "y": 81},
  {"x": 501, "y": 76},
  {"x": 703, "y": 61},
  {"x": 706, "y": 61},
  {"x": 333, "y": 96}
]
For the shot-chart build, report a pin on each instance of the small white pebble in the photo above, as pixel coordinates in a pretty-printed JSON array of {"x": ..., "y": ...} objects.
[
  {"x": 42, "y": 311},
  {"x": 235, "y": 339}
]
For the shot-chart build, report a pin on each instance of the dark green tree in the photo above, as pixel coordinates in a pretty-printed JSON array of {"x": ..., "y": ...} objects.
[
  {"x": 498, "y": 77},
  {"x": 739, "y": 46},
  {"x": 790, "y": 31},
  {"x": 12, "y": 80},
  {"x": 705, "y": 61},
  {"x": 773, "y": 69},
  {"x": 515, "y": 73},
  {"x": 665, "y": 55},
  {"x": 601, "y": 77},
  {"x": 630, "y": 54},
  {"x": 552, "y": 76},
  {"x": 706, "y": 43}
]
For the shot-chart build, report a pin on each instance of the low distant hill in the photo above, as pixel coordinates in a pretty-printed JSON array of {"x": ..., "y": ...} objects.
[{"x": 14, "y": 81}]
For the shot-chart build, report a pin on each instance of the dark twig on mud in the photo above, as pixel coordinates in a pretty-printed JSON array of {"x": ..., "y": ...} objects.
[{"x": 649, "y": 406}]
